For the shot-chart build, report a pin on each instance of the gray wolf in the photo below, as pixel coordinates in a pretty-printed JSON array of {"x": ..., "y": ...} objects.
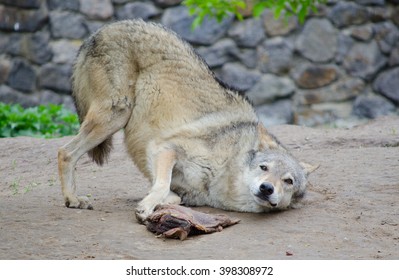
[{"x": 198, "y": 141}]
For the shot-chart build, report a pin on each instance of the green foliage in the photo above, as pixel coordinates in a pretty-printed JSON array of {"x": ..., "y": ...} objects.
[
  {"x": 219, "y": 9},
  {"x": 42, "y": 121}
]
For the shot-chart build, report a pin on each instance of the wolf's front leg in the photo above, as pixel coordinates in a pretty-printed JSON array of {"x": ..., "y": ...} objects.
[{"x": 162, "y": 167}]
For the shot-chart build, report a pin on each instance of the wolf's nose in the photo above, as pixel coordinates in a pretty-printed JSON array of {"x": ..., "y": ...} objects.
[{"x": 266, "y": 189}]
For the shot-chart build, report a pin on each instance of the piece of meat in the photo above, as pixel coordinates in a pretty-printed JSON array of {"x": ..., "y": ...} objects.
[{"x": 175, "y": 221}]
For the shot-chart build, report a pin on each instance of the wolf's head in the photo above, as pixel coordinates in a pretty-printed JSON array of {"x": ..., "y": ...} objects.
[{"x": 276, "y": 179}]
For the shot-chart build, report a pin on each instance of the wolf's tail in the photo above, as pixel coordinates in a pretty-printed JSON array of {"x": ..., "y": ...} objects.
[{"x": 100, "y": 154}]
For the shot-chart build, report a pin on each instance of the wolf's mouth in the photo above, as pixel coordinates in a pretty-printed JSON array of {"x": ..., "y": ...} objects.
[{"x": 264, "y": 198}]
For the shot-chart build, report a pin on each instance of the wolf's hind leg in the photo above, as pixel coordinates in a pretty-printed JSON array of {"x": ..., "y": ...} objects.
[
  {"x": 163, "y": 163},
  {"x": 98, "y": 126}
]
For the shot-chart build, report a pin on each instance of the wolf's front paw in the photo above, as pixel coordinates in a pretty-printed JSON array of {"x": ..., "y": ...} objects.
[
  {"x": 140, "y": 216},
  {"x": 142, "y": 212},
  {"x": 81, "y": 202}
]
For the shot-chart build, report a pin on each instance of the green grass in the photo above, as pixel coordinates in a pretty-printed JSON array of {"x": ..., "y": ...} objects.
[{"x": 43, "y": 121}]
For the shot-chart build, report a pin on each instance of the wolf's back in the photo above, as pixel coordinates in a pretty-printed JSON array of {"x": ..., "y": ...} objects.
[{"x": 126, "y": 60}]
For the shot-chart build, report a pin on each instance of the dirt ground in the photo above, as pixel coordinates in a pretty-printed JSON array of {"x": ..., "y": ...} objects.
[{"x": 350, "y": 212}]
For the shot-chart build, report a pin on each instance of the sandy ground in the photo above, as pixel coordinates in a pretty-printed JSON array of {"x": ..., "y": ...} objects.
[{"x": 351, "y": 211}]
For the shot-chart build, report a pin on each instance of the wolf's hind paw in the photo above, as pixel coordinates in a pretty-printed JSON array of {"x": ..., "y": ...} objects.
[{"x": 81, "y": 202}]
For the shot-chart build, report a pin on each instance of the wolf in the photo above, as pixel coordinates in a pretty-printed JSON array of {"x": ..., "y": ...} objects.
[{"x": 198, "y": 141}]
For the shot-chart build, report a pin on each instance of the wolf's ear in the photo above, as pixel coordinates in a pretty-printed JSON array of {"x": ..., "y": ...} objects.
[
  {"x": 308, "y": 168},
  {"x": 267, "y": 140}
]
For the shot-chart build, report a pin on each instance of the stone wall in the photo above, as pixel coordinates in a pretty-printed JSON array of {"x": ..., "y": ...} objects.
[{"x": 341, "y": 64}]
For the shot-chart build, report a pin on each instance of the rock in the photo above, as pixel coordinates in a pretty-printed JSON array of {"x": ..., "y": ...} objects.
[
  {"x": 321, "y": 10},
  {"x": 207, "y": 33},
  {"x": 65, "y": 51},
  {"x": 318, "y": 40},
  {"x": 378, "y": 14},
  {"x": 64, "y": 24},
  {"x": 344, "y": 14},
  {"x": 36, "y": 48},
  {"x": 394, "y": 57},
  {"x": 5, "y": 67},
  {"x": 248, "y": 57},
  {"x": 68, "y": 103},
  {"x": 311, "y": 117},
  {"x": 279, "y": 112},
  {"x": 386, "y": 35},
  {"x": 8, "y": 95},
  {"x": 33, "y": 46},
  {"x": 49, "y": 97},
  {"x": 247, "y": 11},
  {"x": 372, "y": 106},
  {"x": 362, "y": 33},
  {"x": 310, "y": 76},
  {"x": 371, "y": 2},
  {"x": 275, "y": 56},
  {"x": 21, "y": 20},
  {"x": 22, "y": 76},
  {"x": 248, "y": 33},
  {"x": 10, "y": 44},
  {"x": 120, "y": 1},
  {"x": 25, "y": 4},
  {"x": 219, "y": 53},
  {"x": 11, "y": 96},
  {"x": 341, "y": 110},
  {"x": 134, "y": 10},
  {"x": 72, "y": 5},
  {"x": 93, "y": 25},
  {"x": 167, "y": 3},
  {"x": 97, "y": 9},
  {"x": 364, "y": 60},
  {"x": 342, "y": 90},
  {"x": 4, "y": 41},
  {"x": 56, "y": 77},
  {"x": 345, "y": 43},
  {"x": 238, "y": 77},
  {"x": 395, "y": 16},
  {"x": 280, "y": 26},
  {"x": 269, "y": 88},
  {"x": 387, "y": 84}
]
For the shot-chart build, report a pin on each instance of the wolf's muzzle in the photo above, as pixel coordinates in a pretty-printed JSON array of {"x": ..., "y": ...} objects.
[{"x": 265, "y": 191}]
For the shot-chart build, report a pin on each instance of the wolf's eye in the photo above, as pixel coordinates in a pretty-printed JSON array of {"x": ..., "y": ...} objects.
[
  {"x": 288, "y": 181},
  {"x": 263, "y": 167}
]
